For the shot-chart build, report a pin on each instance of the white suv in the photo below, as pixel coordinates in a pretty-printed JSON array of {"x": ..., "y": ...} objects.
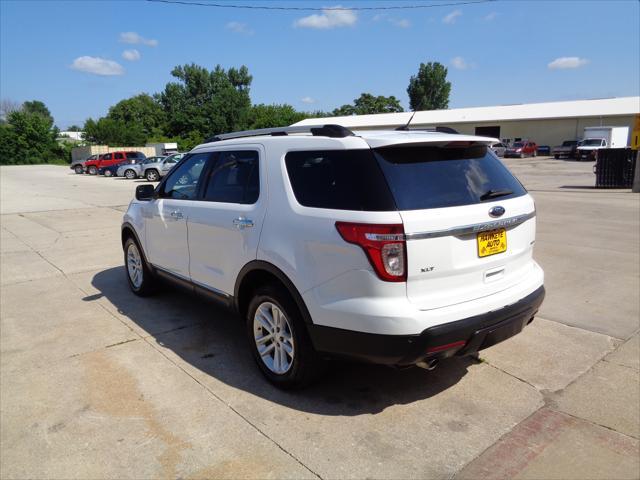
[{"x": 393, "y": 247}]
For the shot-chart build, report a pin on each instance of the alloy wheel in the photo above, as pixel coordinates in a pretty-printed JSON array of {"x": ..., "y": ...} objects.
[
  {"x": 273, "y": 338},
  {"x": 134, "y": 265}
]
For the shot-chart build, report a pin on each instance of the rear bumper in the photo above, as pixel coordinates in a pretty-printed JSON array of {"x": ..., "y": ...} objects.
[{"x": 477, "y": 332}]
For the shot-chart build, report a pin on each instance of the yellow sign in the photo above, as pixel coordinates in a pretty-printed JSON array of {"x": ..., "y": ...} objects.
[
  {"x": 635, "y": 134},
  {"x": 492, "y": 242}
]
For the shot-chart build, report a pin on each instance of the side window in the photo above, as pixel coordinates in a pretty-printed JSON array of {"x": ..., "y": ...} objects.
[
  {"x": 235, "y": 178},
  {"x": 182, "y": 182},
  {"x": 119, "y": 156},
  {"x": 107, "y": 156},
  {"x": 339, "y": 180}
]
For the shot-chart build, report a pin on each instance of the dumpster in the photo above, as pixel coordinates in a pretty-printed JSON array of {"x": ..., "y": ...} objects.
[{"x": 614, "y": 168}]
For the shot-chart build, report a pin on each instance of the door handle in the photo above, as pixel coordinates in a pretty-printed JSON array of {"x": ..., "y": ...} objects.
[
  {"x": 176, "y": 214},
  {"x": 241, "y": 223}
]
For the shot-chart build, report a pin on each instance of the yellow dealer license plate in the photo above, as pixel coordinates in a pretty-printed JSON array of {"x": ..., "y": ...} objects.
[{"x": 492, "y": 242}]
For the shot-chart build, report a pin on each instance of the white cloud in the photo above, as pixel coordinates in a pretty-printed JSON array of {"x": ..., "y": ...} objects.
[
  {"x": 396, "y": 22},
  {"x": 459, "y": 63},
  {"x": 97, "y": 66},
  {"x": 132, "y": 55},
  {"x": 400, "y": 22},
  {"x": 490, "y": 16},
  {"x": 238, "y": 27},
  {"x": 563, "y": 63},
  {"x": 452, "y": 17},
  {"x": 134, "y": 39},
  {"x": 328, "y": 19},
  {"x": 308, "y": 100}
]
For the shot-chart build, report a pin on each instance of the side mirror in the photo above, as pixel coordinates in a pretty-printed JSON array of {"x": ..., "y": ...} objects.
[{"x": 145, "y": 192}]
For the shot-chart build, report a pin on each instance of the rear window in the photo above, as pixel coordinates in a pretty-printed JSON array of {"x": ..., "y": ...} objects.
[
  {"x": 434, "y": 177},
  {"x": 518, "y": 145},
  {"x": 339, "y": 180}
]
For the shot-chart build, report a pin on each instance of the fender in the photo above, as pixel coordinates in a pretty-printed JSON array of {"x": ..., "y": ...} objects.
[
  {"x": 130, "y": 227},
  {"x": 280, "y": 275}
]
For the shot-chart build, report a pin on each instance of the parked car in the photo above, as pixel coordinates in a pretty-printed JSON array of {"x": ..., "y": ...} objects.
[
  {"x": 132, "y": 171},
  {"x": 155, "y": 171},
  {"x": 331, "y": 243},
  {"x": 499, "y": 149},
  {"x": 521, "y": 149},
  {"x": 108, "y": 159},
  {"x": 78, "y": 165},
  {"x": 567, "y": 149},
  {"x": 588, "y": 148},
  {"x": 112, "y": 170},
  {"x": 544, "y": 150}
]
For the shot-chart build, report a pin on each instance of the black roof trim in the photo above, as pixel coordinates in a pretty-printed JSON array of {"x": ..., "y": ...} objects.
[
  {"x": 439, "y": 129},
  {"x": 328, "y": 130}
]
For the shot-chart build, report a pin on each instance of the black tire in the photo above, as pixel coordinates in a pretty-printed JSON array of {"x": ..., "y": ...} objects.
[
  {"x": 92, "y": 170},
  {"x": 152, "y": 175},
  {"x": 108, "y": 173},
  {"x": 556, "y": 157},
  {"x": 148, "y": 284},
  {"x": 306, "y": 364},
  {"x": 130, "y": 174},
  {"x": 78, "y": 169}
]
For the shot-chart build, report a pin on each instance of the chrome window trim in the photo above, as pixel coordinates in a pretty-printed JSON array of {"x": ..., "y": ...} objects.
[{"x": 475, "y": 228}]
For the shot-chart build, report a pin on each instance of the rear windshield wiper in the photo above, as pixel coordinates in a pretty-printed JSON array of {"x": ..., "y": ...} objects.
[{"x": 495, "y": 194}]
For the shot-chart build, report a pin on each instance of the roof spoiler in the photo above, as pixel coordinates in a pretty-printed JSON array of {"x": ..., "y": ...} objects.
[{"x": 328, "y": 130}]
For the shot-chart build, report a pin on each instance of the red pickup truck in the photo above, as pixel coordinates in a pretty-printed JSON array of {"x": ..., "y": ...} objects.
[{"x": 107, "y": 159}]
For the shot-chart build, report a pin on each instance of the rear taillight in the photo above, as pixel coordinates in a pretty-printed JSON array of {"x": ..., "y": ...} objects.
[{"x": 384, "y": 245}]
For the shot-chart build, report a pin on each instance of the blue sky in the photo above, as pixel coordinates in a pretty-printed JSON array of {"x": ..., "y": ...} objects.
[{"x": 498, "y": 52}]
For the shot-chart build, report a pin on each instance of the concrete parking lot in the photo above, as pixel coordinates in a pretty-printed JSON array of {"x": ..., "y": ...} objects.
[{"x": 97, "y": 383}]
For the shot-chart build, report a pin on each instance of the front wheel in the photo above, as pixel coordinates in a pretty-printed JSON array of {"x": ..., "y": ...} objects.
[
  {"x": 130, "y": 174},
  {"x": 279, "y": 340},
  {"x": 93, "y": 170},
  {"x": 152, "y": 175},
  {"x": 78, "y": 169},
  {"x": 139, "y": 276},
  {"x": 108, "y": 173}
]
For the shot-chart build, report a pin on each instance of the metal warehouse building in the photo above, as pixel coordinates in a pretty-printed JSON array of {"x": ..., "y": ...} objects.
[{"x": 544, "y": 123}]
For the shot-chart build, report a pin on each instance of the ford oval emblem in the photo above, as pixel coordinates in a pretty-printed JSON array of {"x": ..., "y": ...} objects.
[{"x": 496, "y": 212}]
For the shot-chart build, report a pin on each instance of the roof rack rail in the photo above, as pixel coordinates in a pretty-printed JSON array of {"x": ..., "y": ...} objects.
[
  {"x": 328, "y": 130},
  {"x": 430, "y": 129}
]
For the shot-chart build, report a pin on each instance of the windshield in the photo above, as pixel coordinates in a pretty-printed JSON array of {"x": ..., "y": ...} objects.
[
  {"x": 592, "y": 142},
  {"x": 434, "y": 177},
  {"x": 569, "y": 143},
  {"x": 518, "y": 145}
]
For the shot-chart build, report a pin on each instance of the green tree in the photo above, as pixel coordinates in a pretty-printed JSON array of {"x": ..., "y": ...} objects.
[
  {"x": 367, "y": 104},
  {"x": 205, "y": 102},
  {"x": 429, "y": 89},
  {"x": 107, "y": 131},
  {"x": 141, "y": 110},
  {"x": 73, "y": 128},
  {"x": 267, "y": 116},
  {"x": 36, "y": 107},
  {"x": 28, "y": 137}
]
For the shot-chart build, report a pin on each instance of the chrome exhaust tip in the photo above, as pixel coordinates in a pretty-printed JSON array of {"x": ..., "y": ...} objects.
[{"x": 428, "y": 364}]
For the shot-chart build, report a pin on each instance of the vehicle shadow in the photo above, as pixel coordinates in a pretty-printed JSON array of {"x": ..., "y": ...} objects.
[{"x": 212, "y": 340}]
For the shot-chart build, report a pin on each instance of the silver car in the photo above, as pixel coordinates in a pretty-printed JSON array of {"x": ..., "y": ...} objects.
[
  {"x": 155, "y": 171},
  {"x": 499, "y": 149},
  {"x": 132, "y": 171}
]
